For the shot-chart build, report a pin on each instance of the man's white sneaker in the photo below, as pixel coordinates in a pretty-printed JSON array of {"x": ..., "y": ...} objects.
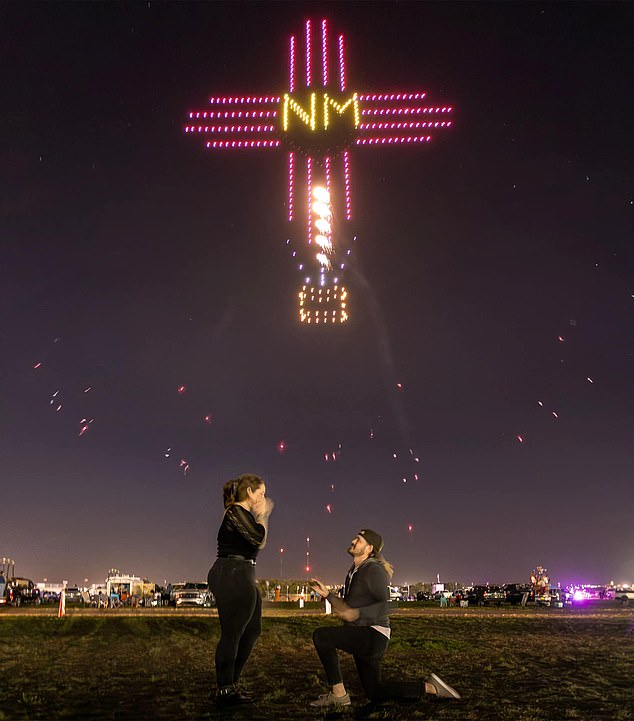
[
  {"x": 328, "y": 699},
  {"x": 443, "y": 689}
]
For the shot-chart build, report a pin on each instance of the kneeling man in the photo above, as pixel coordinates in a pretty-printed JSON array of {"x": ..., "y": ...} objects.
[{"x": 366, "y": 630}]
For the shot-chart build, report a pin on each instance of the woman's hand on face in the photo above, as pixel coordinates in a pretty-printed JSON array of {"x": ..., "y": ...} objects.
[{"x": 262, "y": 507}]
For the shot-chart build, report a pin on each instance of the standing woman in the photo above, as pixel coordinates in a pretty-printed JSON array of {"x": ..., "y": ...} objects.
[{"x": 232, "y": 581}]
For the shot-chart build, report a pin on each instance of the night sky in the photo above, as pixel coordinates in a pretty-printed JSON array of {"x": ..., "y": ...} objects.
[{"x": 493, "y": 271}]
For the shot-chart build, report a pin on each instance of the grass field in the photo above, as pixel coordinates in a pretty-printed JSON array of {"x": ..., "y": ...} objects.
[{"x": 520, "y": 665}]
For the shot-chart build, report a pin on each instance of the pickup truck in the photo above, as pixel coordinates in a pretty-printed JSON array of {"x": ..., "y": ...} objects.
[{"x": 19, "y": 591}]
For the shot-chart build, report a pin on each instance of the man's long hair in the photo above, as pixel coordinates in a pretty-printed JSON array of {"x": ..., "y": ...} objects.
[{"x": 389, "y": 568}]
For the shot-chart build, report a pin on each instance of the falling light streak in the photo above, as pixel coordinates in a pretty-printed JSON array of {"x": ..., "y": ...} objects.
[
  {"x": 182, "y": 389},
  {"x": 86, "y": 390},
  {"x": 520, "y": 439},
  {"x": 84, "y": 425},
  {"x": 281, "y": 447},
  {"x": 184, "y": 465},
  {"x": 307, "y": 554},
  {"x": 207, "y": 418},
  {"x": 329, "y": 508},
  {"x": 37, "y": 365}
]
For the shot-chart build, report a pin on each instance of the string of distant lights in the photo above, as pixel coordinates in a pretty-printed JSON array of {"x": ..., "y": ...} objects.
[{"x": 318, "y": 124}]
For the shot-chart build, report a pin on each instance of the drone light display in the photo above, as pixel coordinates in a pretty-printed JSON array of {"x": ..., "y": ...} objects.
[{"x": 318, "y": 120}]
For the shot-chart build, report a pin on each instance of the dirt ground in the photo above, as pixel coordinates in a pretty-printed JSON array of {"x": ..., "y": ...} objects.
[{"x": 522, "y": 664}]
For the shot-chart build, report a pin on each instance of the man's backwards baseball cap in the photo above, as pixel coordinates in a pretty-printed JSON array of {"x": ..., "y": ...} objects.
[{"x": 373, "y": 538}]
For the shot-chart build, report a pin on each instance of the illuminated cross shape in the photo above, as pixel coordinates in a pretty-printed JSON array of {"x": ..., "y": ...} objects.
[{"x": 318, "y": 121}]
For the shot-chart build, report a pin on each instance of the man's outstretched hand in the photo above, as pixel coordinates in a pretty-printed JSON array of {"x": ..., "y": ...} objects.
[
  {"x": 319, "y": 587},
  {"x": 339, "y": 606}
]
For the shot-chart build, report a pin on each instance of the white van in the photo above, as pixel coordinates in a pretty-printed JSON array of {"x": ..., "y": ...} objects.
[{"x": 624, "y": 595}]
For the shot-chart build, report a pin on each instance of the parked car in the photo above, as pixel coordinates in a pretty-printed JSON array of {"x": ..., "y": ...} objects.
[
  {"x": 423, "y": 596},
  {"x": 19, "y": 591},
  {"x": 624, "y": 595},
  {"x": 173, "y": 589},
  {"x": 73, "y": 595},
  {"x": 485, "y": 595},
  {"x": 559, "y": 597},
  {"x": 193, "y": 594},
  {"x": 515, "y": 593},
  {"x": 494, "y": 595}
]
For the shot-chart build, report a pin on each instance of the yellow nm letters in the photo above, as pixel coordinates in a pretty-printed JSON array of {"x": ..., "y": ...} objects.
[{"x": 310, "y": 117}]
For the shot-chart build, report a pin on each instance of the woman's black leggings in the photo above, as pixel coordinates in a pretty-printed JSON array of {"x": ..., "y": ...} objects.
[
  {"x": 239, "y": 603},
  {"x": 367, "y": 647}
]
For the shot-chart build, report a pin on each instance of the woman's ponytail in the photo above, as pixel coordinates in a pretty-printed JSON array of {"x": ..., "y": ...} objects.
[
  {"x": 235, "y": 490},
  {"x": 229, "y": 492}
]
